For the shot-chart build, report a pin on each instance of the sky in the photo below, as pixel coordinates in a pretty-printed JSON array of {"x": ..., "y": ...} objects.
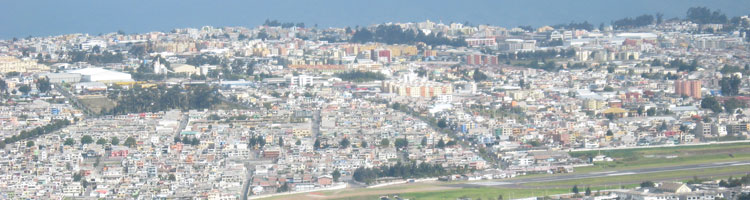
[{"x": 22, "y": 18}]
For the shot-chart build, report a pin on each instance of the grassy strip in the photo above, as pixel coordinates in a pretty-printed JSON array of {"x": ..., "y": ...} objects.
[
  {"x": 663, "y": 162},
  {"x": 645, "y": 177}
]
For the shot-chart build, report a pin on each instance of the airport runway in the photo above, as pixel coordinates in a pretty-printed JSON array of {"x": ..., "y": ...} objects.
[{"x": 564, "y": 177}]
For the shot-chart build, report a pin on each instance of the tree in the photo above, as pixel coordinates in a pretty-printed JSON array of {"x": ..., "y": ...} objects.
[
  {"x": 651, "y": 111},
  {"x": 609, "y": 133},
  {"x": 101, "y": 141},
  {"x": 86, "y": 139},
  {"x": 424, "y": 141},
  {"x": 401, "y": 143},
  {"x": 703, "y": 15},
  {"x": 711, "y": 103},
  {"x": 659, "y": 18},
  {"x": 317, "y": 144},
  {"x": 384, "y": 142},
  {"x": 647, "y": 184},
  {"x": 3, "y": 86},
  {"x": 608, "y": 89},
  {"x": 77, "y": 177},
  {"x": 575, "y": 189},
  {"x": 298, "y": 142},
  {"x": 69, "y": 142},
  {"x": 478, "y": 76},
  {"x": 43, "y": 85},
  {"x": 281, "y": 141},
  {"x": 344, "y": 143},
  {"x": 730, "y": 105},
  {"x": 195, "y": 141},
  {"x": 25, "y": 89},
  {"x": 442, "y": 124},
  {"x": 30, "y": 144},
  {"x": 336, "y": 175},
  {"x": 130, "y": 142},
  {"x": 441, "y": 144},
  {"x": 283, "y": 188},
  {"x": 588, "y": 191},
  {"x": 363, "y": 144},
  {"x": 172, "y": 177},
  {"x": 730, "y": 86},
  {"x": 115, "y": 141}
]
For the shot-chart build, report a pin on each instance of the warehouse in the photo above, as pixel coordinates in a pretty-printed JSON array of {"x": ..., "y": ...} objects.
[
  {"x": 101, "y": 75},
  {"x": 63, "y": 77}
]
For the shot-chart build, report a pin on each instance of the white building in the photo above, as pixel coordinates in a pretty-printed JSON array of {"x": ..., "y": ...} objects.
[{"x": 102, "y": 75}]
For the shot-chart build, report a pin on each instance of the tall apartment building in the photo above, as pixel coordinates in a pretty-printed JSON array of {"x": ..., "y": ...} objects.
[{"x": 691, "y": 88}]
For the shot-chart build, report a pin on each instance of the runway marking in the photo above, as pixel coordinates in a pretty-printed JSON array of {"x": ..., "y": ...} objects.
[
  {"x": 620, "y": 174},
  {"x": 492, "y": 183},
  {"x": 607, "y": 172}
]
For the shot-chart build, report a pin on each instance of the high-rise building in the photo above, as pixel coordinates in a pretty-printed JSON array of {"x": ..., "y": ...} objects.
[
  {"x": 691, "y": 88},
  {"x": 478, "y": 59}
]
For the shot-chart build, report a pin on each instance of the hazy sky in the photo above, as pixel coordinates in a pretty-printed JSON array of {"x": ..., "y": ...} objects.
[{"x": 21, "y": 18}]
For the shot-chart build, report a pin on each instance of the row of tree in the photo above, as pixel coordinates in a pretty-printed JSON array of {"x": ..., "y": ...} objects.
[
  {"x": 412, "y": 170},
  {"x": 546, "y": 54},
  {"x": 276, "y": 23},
  {"x": 360, "y": 76},
  {"x": 703, "y": 15},
  {"x": 187, "y": 140},
  {"x": 730, "y": 105},
  {"x": 394, "y": 34},
  {"x": 161, "y": 98},
  {"x": 33, "y": 133},
  {"x": 95, "y": 58},
  {"x": 627, "y": 23}
]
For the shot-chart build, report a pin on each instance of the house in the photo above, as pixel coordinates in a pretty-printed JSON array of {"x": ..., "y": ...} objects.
[
  {"x": 677, "y": 188},
  {"x": 185, "y": 69},
  {"x": 325, "y": 180}
]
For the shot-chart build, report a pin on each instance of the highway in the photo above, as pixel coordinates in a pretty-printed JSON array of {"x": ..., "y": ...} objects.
[{"x": 565, "y": 177}]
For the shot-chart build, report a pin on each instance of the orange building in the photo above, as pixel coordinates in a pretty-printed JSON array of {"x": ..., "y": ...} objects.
[{"x": 691, "y": 88}]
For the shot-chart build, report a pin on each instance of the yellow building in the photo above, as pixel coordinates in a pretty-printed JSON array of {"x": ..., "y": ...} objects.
[{"x": 13, "y": 64}]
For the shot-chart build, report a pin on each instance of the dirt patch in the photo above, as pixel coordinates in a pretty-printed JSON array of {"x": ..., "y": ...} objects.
[
  {"x": 358, "y": 193},
  {"x": 96, "y": 103}
]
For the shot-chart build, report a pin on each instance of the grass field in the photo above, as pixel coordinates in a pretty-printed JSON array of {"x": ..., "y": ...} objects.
[
  {"x": 666, "y": 156},
  {"x": 636, "y": 178}
]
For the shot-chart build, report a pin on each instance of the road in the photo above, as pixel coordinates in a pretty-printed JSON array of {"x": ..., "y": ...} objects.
[
  {"x": 316, "y": 124},
  {"x": 184, "y": 119},
  {"x": 519, "y": 181},
  {"x": 71, "y": 98}
]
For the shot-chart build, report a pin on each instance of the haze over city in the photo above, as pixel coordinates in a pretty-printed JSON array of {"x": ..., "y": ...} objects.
[{"x": 42, "y": 18}]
